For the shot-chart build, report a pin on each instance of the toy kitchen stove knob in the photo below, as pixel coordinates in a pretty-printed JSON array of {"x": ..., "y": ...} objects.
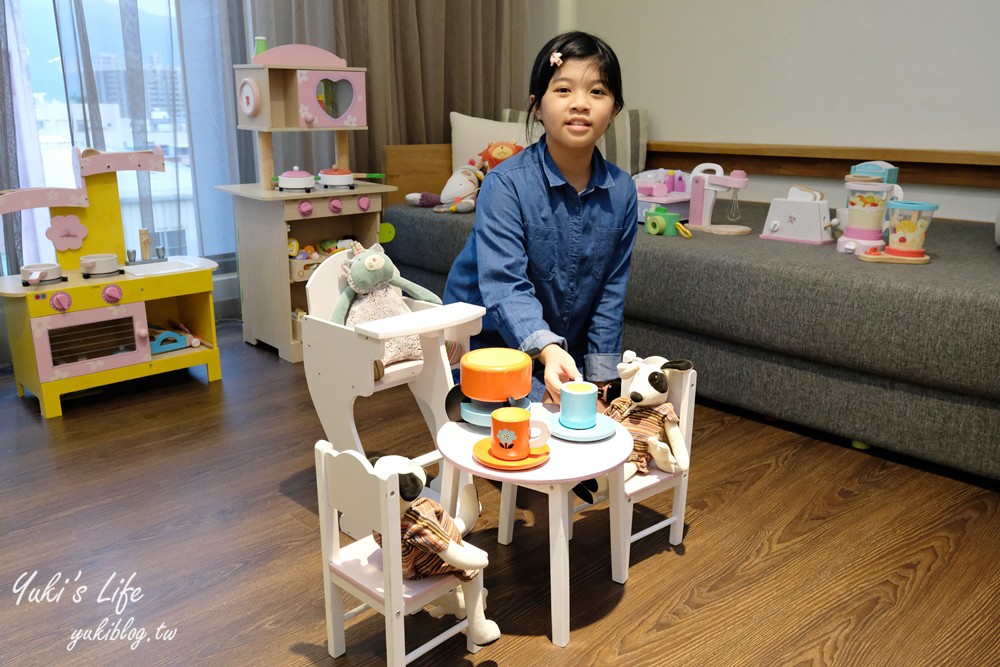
[
  {"x": 111, "y": 294},
  {"x": 60, "y": 301},
  {"x": 335, "y": 205}
]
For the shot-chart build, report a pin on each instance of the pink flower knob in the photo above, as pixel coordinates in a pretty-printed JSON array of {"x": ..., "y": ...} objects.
[
  {"x": 335, "y": 205},
  {"x": 111, "y": 294},
  {"x": 61, "y": 301},
  {"x": 364, "y": 202},
  {"x": 305, "y": 208}
]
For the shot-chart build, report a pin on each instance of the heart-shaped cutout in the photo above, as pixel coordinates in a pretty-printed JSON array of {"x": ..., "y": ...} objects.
[{"x": 334, "y": 97}]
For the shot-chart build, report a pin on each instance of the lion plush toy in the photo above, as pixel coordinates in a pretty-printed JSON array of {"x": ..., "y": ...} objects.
[
  {"x": 369, "y": 295},
  {"x": 497, "y": 152},
  {"x": 645, "y": 413},
  {"x": 432, "y": 544},
  {"x": 462, "y": 188}
]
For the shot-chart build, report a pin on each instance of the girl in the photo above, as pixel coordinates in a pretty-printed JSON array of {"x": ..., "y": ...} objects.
[{"x": 549, "y": 254}]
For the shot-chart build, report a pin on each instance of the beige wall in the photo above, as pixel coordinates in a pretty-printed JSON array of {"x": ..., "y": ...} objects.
[{"x": 876, "y": 73}]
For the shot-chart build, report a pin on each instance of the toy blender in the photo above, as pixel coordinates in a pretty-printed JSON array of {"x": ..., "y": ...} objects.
[
  {"x": 907, "y": 230},
  {"x": 866, "y": 207}
]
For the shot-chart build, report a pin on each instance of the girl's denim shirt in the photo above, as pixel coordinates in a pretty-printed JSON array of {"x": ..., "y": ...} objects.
[{"x": 549, "y": 264}]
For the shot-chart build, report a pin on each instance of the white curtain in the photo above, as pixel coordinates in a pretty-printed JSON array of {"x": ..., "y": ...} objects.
[{"x": 21, "y": 160}]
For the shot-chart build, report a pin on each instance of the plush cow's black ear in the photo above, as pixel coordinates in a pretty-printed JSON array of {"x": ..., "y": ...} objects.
[
  {"x": 410, "y": 486},
  {"x": 678, "y": 365}
]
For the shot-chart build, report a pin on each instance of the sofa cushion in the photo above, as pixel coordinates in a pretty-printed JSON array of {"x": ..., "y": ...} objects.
[{"x": 935, "y": 325}]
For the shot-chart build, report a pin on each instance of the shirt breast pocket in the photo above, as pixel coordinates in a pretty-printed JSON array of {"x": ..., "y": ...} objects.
[
  {"x": 543, "y": 244},
  {"x": 607, "y": 240}
]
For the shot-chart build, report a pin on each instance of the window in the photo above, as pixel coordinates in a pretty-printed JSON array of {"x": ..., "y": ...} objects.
[{"x": 112, "y": 77}]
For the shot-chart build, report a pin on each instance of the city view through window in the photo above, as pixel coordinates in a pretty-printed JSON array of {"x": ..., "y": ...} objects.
[{"x": 154, "y": 108}]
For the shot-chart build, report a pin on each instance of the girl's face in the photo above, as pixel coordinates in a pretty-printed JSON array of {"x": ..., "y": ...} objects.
[{"x": 576, "y": 108}]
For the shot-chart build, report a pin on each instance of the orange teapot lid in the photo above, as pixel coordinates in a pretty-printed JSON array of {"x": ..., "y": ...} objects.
[{"x": 493, "y": 374}]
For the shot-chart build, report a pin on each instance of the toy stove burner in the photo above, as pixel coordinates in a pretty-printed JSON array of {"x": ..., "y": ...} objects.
[
  {"x": 48, "y": 281},
  {"x": 117, "y": 272}
]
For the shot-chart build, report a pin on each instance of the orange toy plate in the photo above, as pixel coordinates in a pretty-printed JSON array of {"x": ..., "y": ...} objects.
[{"x": 481, "y": 452}]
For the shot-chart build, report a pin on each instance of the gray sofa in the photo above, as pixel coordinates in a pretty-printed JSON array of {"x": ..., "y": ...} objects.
[{"x": 905, "y": 358}]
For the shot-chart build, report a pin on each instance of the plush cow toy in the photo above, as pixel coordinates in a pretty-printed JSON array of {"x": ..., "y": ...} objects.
[
  {"x": 643, "y": 410},
  {"x": 432, "y": 544}
]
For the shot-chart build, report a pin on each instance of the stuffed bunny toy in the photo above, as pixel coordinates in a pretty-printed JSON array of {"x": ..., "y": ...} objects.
[{"x": 370, "y": 295}]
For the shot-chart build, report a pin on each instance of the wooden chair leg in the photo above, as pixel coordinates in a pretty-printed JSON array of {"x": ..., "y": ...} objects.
[
  {"x": 395, "y": 640},
  {"x": 620, "y": 510},
  {"x": 336, "y": 643},
  {"x": 677, "y": 511},
  {"x": 508, "y": 504}
]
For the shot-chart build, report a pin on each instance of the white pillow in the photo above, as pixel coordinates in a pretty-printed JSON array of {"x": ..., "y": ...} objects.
[
  {"x": 470, "y": 136},
  {"x": 624, "y": 143}
]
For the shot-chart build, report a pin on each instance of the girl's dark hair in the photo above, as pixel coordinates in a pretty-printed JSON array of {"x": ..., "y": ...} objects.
[{"x": 583, "y": 46}]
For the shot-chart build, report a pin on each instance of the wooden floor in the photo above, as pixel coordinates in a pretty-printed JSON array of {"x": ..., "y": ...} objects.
[{"x": 798, "y": 551}]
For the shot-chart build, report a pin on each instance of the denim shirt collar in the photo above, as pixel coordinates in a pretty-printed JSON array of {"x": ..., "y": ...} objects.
[{"x": 600, "y": 177}]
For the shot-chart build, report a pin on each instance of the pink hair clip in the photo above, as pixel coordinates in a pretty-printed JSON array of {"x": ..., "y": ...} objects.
[{"x": 555, "y": 59}]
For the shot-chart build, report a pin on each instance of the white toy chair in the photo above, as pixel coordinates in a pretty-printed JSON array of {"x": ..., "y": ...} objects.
[
  {"x": 681, "y": 393},
  {"x": 346, "y": 483},
  {"x": 339, "y": 359}
]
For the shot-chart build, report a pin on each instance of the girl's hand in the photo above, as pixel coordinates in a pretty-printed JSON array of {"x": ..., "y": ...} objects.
[{"x": 559, "y": 368}]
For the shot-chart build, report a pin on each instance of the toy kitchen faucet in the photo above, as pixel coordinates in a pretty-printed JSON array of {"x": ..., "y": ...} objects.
[{"x": 707, "y": 181}]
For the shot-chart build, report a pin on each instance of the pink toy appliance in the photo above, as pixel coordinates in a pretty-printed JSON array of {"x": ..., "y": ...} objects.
[
  {"x": 803, "y": 217},
  {"x": 866, "y": 212},
  {"x": 666, "y": 189},
  {"x": 707, "y": 181}
]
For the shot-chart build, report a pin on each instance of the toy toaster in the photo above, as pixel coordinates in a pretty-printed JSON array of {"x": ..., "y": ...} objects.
[{"x": 803, "y": 217}]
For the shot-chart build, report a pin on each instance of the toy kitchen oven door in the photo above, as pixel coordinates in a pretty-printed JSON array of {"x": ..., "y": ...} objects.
[{"x": 87, "y": 329}]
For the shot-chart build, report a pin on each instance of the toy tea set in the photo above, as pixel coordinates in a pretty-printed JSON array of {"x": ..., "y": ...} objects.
[{"x": 493, "y": 390}]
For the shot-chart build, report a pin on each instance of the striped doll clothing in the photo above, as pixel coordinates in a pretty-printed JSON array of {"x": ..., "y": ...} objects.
[
  {"x": 641, "y": 422},
  {"x": 426, "y": 530}
]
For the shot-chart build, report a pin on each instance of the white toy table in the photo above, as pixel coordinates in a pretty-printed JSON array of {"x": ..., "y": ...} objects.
[{"x": 569, "y": 463}]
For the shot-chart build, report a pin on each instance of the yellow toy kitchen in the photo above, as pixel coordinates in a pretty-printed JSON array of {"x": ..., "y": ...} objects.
[{"x": 103, "y": 313}]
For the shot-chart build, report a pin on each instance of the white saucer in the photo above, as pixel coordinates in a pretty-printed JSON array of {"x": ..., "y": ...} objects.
[
  {"x": 604, "y": 428},
  {"x": 476, "y": 413}
]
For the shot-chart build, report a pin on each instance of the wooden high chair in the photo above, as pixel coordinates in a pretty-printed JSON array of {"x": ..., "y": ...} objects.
[
  {"x": 339, "y": 359},
  {"x": 346, "y": 483}
]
